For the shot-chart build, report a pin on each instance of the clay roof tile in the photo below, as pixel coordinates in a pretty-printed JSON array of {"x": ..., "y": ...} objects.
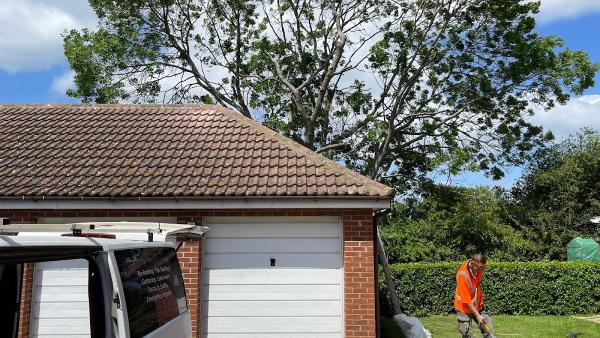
[{"x": 76, "y": 151}]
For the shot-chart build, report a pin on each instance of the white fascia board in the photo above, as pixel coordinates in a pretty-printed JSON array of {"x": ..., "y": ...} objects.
[{"x": 262, "y": 203}]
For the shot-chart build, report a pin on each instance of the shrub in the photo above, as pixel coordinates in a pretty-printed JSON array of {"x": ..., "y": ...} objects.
[{"x": 532, "y": 288}]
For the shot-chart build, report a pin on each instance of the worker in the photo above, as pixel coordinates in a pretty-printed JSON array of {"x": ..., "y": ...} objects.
[{"x": 468, "y": 297}]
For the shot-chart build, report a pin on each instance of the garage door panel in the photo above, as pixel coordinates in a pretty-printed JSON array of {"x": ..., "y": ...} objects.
[
  {"x": 281, "y": 245},
  {"x": 272, "y": 276},
  {"x": 62, "y": 335},
  {"x": 65, "y": 281},
  {"x": 264, "y": 230},
  {"x": 61, "y": 289},
  {"x": 262, "y": 260},
  {"x": 59, "y": 274},
  {"x": 61, "y": 332},
  {"x": 271, "y": 308},
  {"x": 275, "y": 335},
  {"x": 60, "y": 299},
  {"x": 63, "y": 306},
  {"x": 273, "y": 292},
  {"x": 61, "y": 313},
  {"x": 273, "y": 324},
  {"x": 71, "y": 325},
  {"x": 65, "y": 297}
]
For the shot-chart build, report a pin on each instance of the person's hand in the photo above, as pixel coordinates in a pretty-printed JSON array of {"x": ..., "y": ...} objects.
[{"x": 479, "y": 318}]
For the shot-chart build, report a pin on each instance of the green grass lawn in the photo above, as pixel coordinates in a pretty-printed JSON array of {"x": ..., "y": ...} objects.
[{"x": 506, "y": 326}]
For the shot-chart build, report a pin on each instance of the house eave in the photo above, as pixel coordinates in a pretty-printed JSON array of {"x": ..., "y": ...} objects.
[{"x": 262, "y": 202}]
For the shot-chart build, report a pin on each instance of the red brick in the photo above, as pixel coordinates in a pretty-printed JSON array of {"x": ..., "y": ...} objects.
[{"x": 25, "y": 306}]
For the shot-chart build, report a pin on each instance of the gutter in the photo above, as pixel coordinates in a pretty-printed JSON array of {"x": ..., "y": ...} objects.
[
  {"x": 195, "y": 198},
  {"x": 263, "y": 202}
]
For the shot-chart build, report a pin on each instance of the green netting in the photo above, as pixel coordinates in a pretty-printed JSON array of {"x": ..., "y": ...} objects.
[{"x": 583, "y": 249}]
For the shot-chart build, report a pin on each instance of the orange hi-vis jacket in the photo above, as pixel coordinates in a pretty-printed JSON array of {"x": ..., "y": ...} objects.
[{"x": 467, "y": 290}]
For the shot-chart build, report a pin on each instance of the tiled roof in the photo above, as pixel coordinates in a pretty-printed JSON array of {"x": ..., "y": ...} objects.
[{"x": 76, "y": 151}]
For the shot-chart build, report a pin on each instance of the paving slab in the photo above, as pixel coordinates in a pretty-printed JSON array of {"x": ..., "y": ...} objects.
[{"x": 595, "y": 319}]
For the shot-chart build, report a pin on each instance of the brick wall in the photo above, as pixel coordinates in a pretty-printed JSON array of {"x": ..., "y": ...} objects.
[
  {"x": 359, "y": 289},
  {"x": 189, "y": 259},
  {"x": 26, "y": 299}
]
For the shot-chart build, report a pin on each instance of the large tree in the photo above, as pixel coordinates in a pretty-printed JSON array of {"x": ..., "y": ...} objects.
[{"x": 394, "y": 88}]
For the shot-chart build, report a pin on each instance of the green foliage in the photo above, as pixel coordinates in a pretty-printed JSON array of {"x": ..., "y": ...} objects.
[
  {"x": 552, "y": 204},
  {"x": 94, "y": 80},
  {"x": 532, "y": 288},
  {"x": 559, "y": 195},
  {"x": 450, "y": 86},
  {"x": 449, "y": 223}
]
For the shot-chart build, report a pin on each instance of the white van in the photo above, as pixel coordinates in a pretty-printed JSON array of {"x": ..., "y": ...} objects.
[{"x": 130, "y": 289}]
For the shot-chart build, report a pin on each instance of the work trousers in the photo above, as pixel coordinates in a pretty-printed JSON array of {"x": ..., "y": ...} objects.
[{"x": 464, "y": 324}]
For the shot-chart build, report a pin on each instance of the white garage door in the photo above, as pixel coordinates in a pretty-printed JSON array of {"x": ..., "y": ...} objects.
[
  {"x": 60, "y": 300},
  {"x": 299, "y": 296}
]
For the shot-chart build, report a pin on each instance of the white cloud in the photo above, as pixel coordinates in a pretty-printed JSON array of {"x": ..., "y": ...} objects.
[
  {"x": 583, "y": 111},
  {"x": 551, "y": 10},
  {"x": 62, "y": 83},
  {"x": 30, "y": 31}
]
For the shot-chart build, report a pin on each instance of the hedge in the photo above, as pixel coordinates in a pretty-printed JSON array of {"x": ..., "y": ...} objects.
[{"x": 532, "y": 288}]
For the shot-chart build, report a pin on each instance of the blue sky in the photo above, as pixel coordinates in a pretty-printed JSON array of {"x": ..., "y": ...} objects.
[
  {"x": 579, "y": 32},
  {"x": 33, "y": 68}
]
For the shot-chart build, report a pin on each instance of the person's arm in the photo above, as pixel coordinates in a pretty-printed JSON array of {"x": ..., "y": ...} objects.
[{"x": 474, "y": 311}]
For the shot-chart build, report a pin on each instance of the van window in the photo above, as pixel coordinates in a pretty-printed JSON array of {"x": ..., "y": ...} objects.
[{"x": 154, "y": 290}]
